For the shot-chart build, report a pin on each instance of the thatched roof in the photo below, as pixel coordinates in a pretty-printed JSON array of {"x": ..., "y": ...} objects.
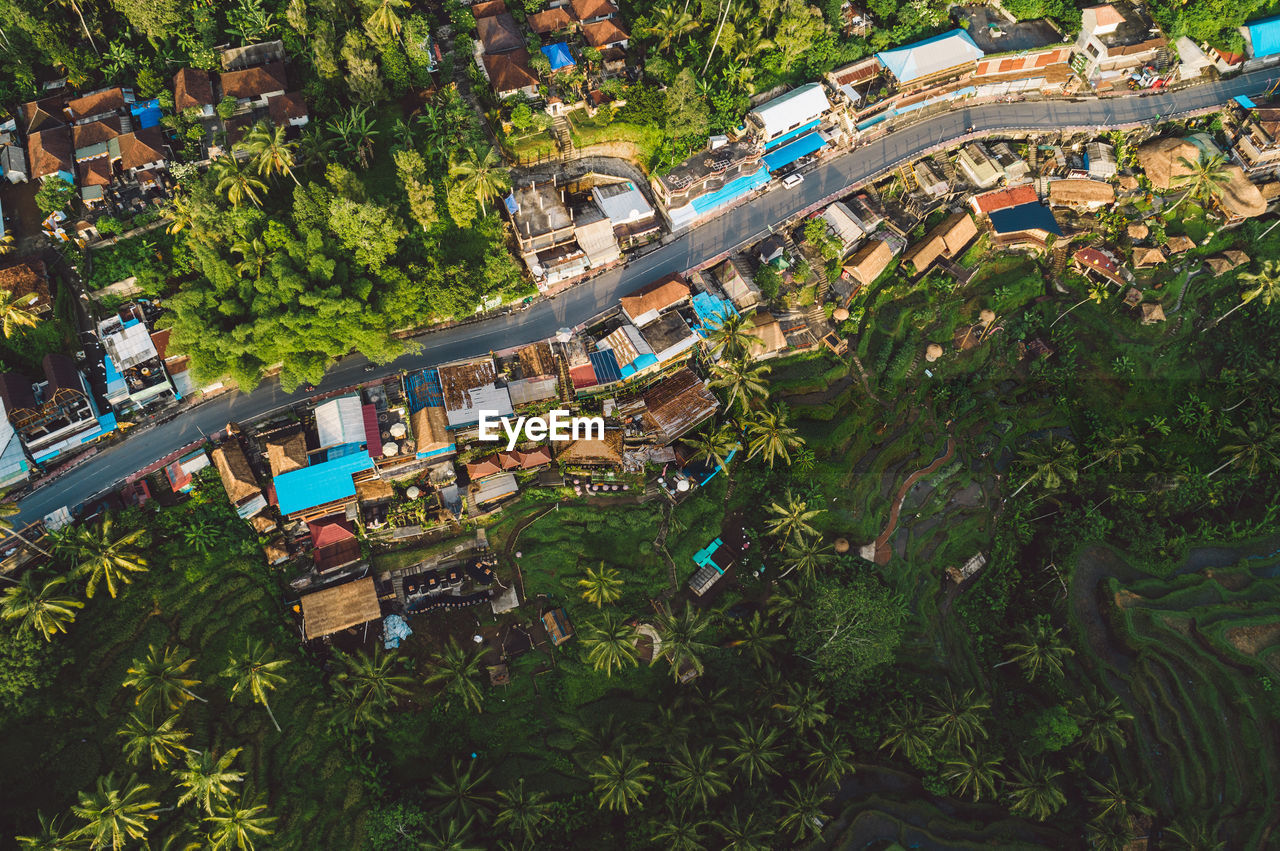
[
  {"x": 1236, "y": 256},
  {"x": 768, "y": 330},
  {"x": 431, "y": 429},
  {"x": 287, "y": 453},
  {"x": 1163, "y": 161},
  {"x": 1144, "y": 258},
  {"x": 374, "y": 490},
  {"x": 1179, "y": 244},
  {"x": 1138, "y": 231},
  {"x": 605, "y": 452},
  {"x": 1081, "y": 193},
  {"x": 1152, "y": 312},
  {"x": 276, "y": 552},
  {"x": 233, "y": 468},
  {"x": 262, "y": 523},
  {"x": 1133, "y": 297},
  {"x": 340, "y": 607},
  {"x": 1128, "y": 182},
  {"x": 949, "y": 238},
  {"x": 869, "y": 261}
]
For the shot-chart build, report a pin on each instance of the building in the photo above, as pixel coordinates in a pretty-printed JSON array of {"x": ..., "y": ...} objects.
[
  {"x": 1001, "y": 199},
  {"x": 709, "y": 181},
  {"x": 1046, "y": 70},
  {"x": 14, "y": 469},
  {"x": 1255, "y": 143},
  {"x": 1165, "y": 163},
  {"x": 550, "y": 21},
  {"x": 1082, "y": 194},
  {"x": 593, "y": 452},
  {"x": 286, "y": 453},
  {"x": 56, "y": 415},
  {"x": 556, "y": 623},
  {"x": 677, "y": 405},
  {"x": 340, "y": 425},
  {"x": 557, "y": 243},
  {"x": 193, "y": 89},
  {"x": 945, "y": 241},
  {"x": 1262, "y": 37},
  {"x": 334, "y": 541},
  {"x": 768, "y": 330},
  {"x": 626, "y": 208},
  {"x": 472, "y": 387},
  {"x": 1100, "y": 160},
  {"x": 928, "y": 180},
  {"x": 592, "y": 11},
  {"x": 736, "y": 284},
  {"x": 668, "y": 337},
  {"x": 931, "y": 61},
  {"x": 339, "y": 607},
  {"x": 647, "y": 303},
  {"x": 790, "y": 116},
  {"x": 135, "y": 372},
  {"x": 432, "y": 439},
  {"x": 629, "y": 349},
  {"x": 1024, "y": 224},
  {"x": 1101, "y": 264},
  {"x": 238, "y": 479},
  {"x": 181, "y": 472},
  {"x": 868, "y": 263},
  {"x": 845, "y": 226},
  {"x": 322, "y": 489},
  {"x": 28, "y": 279},
  {"x": 1116, "y": 39},
  {"x": 979, "y": 167}
]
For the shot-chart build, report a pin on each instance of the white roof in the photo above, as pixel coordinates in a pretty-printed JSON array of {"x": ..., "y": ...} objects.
[
  {"x": 13, "y": 463},
  {"x": 797, "y": 107},
  {"x": 130, "y": 346},
  {"x": 598, "y": 242},
  {"x": 622, "y": 203},
  {"x": 928, "y": 57},
  {"x": 848, "y": 227},
  {"x": 340, "y": 421}
]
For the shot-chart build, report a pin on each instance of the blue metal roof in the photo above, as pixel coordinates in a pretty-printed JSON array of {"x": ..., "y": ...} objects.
[
  {"x": 558, "y": 55},
  {"x": 318, "y": 484},
  {"x": 1244, "y": 101},
  {"x": 787, "y": 137},
  {"x": 1030, "y": 216},
  {"x": 793, "y": 151},
  {"x": 1264, "y": 35},
  {"x": 606, "y": 366},
  {"x": 646, "y": 359}
]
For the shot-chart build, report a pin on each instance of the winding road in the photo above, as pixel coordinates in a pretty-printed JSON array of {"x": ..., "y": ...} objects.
[{"x": 737, "y": 227}]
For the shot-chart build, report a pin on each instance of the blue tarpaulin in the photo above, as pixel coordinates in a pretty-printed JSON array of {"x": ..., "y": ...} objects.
[
  {"x": 788, "y": 154},
  {"x": 605, "y": 365},
  {"x": 558, "y": 55},
  {"x": 510, "y": 202},
  {"x": 394, "y": 630},
  {"x": 146, "y": 113},
  {"x": 711, "y": 311},
  {"x": 1032, "y": 216},
  {"x": 1244, "y": 101},
  {"x": 730, "y": 192},
  {"x": 645, "y": 360},
  {"x": 319, "y": 484},
  {"x": 1264, "y": 35}
]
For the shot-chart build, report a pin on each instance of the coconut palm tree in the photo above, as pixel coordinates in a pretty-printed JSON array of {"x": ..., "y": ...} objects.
[
  {"x": 1264, "y": 286},
  {"x": 957, "y": 719},
  {"x": 162, "y": 742},
  {"x": 1100, "y": 720},
  {"x": 732, "y": 339},
  {"x": 714, "y": 445},
  {"x": 16, "y": 311},
  {"x": 679, "y": 832},
  {"x": 743, "y": 382},
  {"x": 786, "y": 601},
  {"x": 807, "y": 556},
  {"x": 114, "y": 814},
  {"x": 463, "y": 794},
  {"x": 669, "y": 26},
  {"x": 236, "y": 824},
  {"x": 1192, "y": 833},
  {"x": 366, "y": 688},
  {"x": 453, "y": 835},
  {"x": 601, "y": 585},
  {"x": 314, "y": 146},
  {"x": 682, "y": 639},
  {"x": 802, "y": 810},
  {"x": 523, "y": 813},
  {"x": 355, "y": 133},
  {"x": 481, "y": 175},
  {"x": 255, "y": 257},
  {"x": 757, "y": 639},
  {"x": 610, "y": 643},
  {"x": 1257, "y": 444},
  {"x": 10, "y": 509},
  {"x": 1205, "y": 179},
  {"x": 754, "y": 750},
  {"x": 771, "y": 436},
  {"x": 207, "y": 778},
  {"x": 102, "y": 559},
  {"x": 908, "y": 732},
  {"x": 1048, "y": 465},
  {"x": 37, "y": 604},
  {"x": 972, "y": 773},
  {"x": 1040, "y": 649},
  {"x": 698, "y": 775},
  {"x": 255, "y": 673},
  {"x": 621, "y": 779},
  {"x": 829, "y": 759},
  {"x": 1034, "y": 790},
  {"x": 804, "y": 706},
  {"x": 383, "y": 23},
  {"x": 1124, "y": 445},
  {"x": 269, "y": 150},
  {"x": 161, "y": 679},
  {"x": 458, "y": 668},
  {"x": 51, "y": 837},
  {"x": 792, "y": 519},
  {"x": 1110, "y": 835},
  {"x": 743, "y": 834},
  {"x": 235, "y": 181},
  {"x": 1114, "y": 801}
]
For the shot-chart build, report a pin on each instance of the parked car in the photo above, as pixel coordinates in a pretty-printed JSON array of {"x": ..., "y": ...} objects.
[{"x": 793, "y": 179}]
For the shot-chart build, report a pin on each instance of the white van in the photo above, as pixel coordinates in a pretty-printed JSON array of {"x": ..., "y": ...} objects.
[{"x": 793, "y": 179}]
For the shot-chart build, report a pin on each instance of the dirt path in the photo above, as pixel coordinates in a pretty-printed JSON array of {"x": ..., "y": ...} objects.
[{"x": 883, "y": 550}]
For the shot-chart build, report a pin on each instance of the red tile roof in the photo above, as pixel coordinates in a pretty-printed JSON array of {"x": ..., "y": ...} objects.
[
  {"x": 97, "y": 103},
  {"x": 604, "y": 33},
  {"x": 141, "y": 147},
  {"x": 50, "y": 151},
  {"x": 286, "y": 107},
  {"x": 254, "y": 82},
  {"x": 552, "y": 20},
  {"x": 95, "y": 132},
  {"x": 510, "y": 71},
  {"x": 192, "y": 88},
  {"x": 1002, "y": 199},
  {"x": 488, "y": 9},
  {"x": 585, "y": 10}
]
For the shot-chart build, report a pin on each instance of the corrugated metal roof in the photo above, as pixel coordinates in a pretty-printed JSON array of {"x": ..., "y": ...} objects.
[
  {"x": 928, "y": 57},
  {"x": 340, "y": 421},
  {"x": 320, "y": 483},
  {"x": 605, "y": 368},
  {"x": 795, "y": 107}
]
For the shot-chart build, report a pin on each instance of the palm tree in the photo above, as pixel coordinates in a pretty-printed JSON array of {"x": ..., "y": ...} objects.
[
  {"x": 207, "y": 778},
  {"x": 1110, "y": 835},
  {"x": 1265, "y": 287},
  {"x": 454, "y": 835},
  {"x": 1049, "y": 465},
  {"x": 235, "y": 825},
  {"x": 958, "y": 719},
  {"x": 679, "y": 832},
  {"x": 10, "y": 509},
  {"x": 743, "y": 834},
  {"x": 235, "y": 182},
  {"x": 792, "y": 519},
  {"x": 757, "y": 639},
  {"x": 714, "y": 446},
  {"x": 256, "y": 257},
  {"x": 972, "y": 773},
  {"x": 523, "y": 813},
  {"x": 384, "y": 22},
  {"x": 1205, "y": 179},
  {"x": 1100, "y": 720},
  {"x": 104, "y": 560},
  {"x": 621, "y": 780},
  {"x": 256, "y": 673},
  {"x": 458, "y": 668},
  {"x": 1034, "y": 790},
  {"x": 355, "y": 133},
  {"x": 1112, "y": 800},
  {"x": 162, "y": 742},
  {"x": 732, "y": 339},
  {"x": 1193, "y": 834},
  {"x": 830, "y": 760},
  {"x": 1040, "y": 650},
  {"x": 670, "y": 25},
  {"x": 314, "y": 146},
  {"x": 1124, "y": 445},
  {"x": 1258, "y": 443},
  {"x": 610, "y": 644},
  {"x": 269, "y": 149},
  {"x": 601, "y": 585},
  {"x": 481, "y": 175},
  {"x": 786, "y": 601},
  {"x": 754, "y": 750},
  {"x": 38, "y": 606},
  {"x": 114, "y": 815},
  {"x": 806, "y": 556},
  {"x": 161, "y": 679},
  {"x": 772, "y": 437},
  {"x": 461, "y": 795},
  {"x": 51, "y": 837},
  {"x": 909, "y": 733},
  {"x": 802, "y": 810},
  {"x": 804, "y": 706},
  {"x": 743, "y": 381},
  {"x": 698, "y": 775},
  {"x": 682, "y": 639},
  {"x": 17, "y": 311},
  {"x": 367, "y": 687}
]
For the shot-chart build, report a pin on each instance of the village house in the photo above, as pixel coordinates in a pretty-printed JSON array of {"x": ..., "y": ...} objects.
[
  {"x": 986, "y": 203},
  {"x": 1100, "y": 160},
  {"x": 55, "y": 416},
  {"x": 1046, "y": 70},
  {"x": 238, "y": 479},
  {"x": 1081, "y": 194},
  {"x": 647, "y": 303},
  {"x": 471, "y": 387},
  {"x": 1116, "y": 39},
  {"x": 978, "y": 167},
  {"x": 1255, "y": 142},
  {"x": 709, "y": 181},
  {"x": 946, "y": 241},
  {"x": 339, "y": 607},
  {"x": 1024, "y": 225},
  {"x": 1100, "y": 265},
  {"x": 677, "y": 405},
  {"x": 737, "y": 284},
  {"x": 867, "y": 264}
]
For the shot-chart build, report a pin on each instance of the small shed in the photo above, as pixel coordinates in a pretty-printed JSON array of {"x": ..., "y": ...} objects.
[
  {"x": 1137, "y": 231},
  {"x": 559, "y": 630},
  {"x": 1152, "y": 312},
  {"x": 1145, "y": 258},
  {"x": 1179, "y": 244}
]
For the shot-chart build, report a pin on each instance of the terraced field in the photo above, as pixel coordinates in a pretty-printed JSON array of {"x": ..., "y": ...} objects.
[{"x": 1193, "y": 657}]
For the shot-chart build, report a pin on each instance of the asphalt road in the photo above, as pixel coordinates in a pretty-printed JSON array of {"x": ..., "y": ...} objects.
[{"x": 744, "y": 224}]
